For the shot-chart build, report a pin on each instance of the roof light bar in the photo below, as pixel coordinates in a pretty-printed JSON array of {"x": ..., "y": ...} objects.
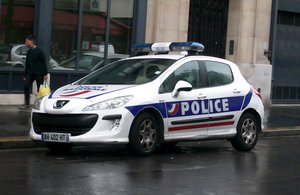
[
  {"x": 161, "y": 47},
  {"x": 165, "y": 47},
  {"x": 187, "y": 46}
]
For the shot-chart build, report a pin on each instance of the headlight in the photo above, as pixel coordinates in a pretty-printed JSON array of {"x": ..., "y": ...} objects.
[
  {"x": 37, "y": 103},
  {"x": 109, "y": 104}
]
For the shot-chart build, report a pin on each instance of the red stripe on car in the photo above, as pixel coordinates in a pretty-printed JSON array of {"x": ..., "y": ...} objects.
[
  {"x": 180, "y": 128},
  {"x": 75, "y": 94}
]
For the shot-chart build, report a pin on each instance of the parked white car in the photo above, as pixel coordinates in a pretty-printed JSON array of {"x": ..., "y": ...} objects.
[
  {"x": 149, "y": 100},
  {"x": 15, "y": 55}
]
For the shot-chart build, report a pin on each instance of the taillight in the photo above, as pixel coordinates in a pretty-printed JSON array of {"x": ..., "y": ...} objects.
[{"x": 257, "y": 92}]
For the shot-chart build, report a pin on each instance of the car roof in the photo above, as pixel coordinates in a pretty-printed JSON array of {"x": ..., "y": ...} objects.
[
  {"x": 163, "y": 56},
  {"x": 181, "y": 56}
]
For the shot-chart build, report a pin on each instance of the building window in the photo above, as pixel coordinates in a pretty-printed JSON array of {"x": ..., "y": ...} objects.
[
  {"x": 288, "y": 18},
  {"x": 64, "y": 30},
  {"x": 65, "y": 26},
  {"x": 17, "y": 19},
  {"x": 121, "y": 28},
  {"x": 61, "y": 18}
]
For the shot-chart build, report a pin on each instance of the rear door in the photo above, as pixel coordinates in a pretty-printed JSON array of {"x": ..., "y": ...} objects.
[{"x": 225, "y": 96}]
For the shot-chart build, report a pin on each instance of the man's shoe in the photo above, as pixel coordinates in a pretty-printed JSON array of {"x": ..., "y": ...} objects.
[{"x": 25, "y": 107}]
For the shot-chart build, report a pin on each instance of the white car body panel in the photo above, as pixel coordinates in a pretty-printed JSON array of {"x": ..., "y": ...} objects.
[{"x": 228, "y": 103}]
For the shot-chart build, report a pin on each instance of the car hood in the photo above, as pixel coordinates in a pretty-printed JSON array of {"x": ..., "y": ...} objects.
[{"x": 86, "y": 91}]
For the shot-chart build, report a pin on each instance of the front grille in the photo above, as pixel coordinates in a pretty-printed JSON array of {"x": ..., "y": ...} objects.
[{"x": 75, "y": 124}]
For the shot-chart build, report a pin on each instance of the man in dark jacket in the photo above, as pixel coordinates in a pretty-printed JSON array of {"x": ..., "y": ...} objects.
[{"x": 35, "y": 68}]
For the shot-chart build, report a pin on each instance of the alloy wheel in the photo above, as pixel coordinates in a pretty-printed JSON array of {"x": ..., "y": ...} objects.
[
  {"x": 147, "y": 134},
  {"x": 249, "y": 131}
]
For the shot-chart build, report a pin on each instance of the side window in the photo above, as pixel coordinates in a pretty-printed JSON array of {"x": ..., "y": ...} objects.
[
  {"x": 18, "y": 51},
  {"x": 189, "y": 72},
  {"x": 218, "y": 73},
  {"x": 22, "y": 50}
]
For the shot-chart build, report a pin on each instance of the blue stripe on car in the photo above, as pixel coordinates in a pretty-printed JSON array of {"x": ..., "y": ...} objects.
[
  {"x": 247, "y": 100},
  {"x": 196, "y": 107}
]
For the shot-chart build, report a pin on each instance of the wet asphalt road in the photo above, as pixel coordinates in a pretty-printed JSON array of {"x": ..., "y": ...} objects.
[{"x": 191, "y": 168}]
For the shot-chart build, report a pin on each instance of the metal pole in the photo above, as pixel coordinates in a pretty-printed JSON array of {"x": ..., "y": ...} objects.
[
  {"x": 78, "y": 38},
  {"x": 139, "y": 21},
  {"x": 273, "y": 33},
  {"x": 107, "y": 30}
]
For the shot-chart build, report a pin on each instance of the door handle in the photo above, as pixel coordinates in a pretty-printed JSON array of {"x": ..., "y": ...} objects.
[
  {"x": 236, "y": 91},
  {"x": 201, "y": 96}
]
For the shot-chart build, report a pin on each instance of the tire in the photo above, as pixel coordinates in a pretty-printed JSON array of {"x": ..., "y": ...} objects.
[
  {"x": 59, "y": 148},
  {"x": 18, "y": 66},
  {"x": 247, "y": 133},
  {"x": 143, "y": 136}
]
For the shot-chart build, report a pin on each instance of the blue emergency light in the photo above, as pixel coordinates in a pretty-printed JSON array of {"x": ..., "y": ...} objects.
[{"x": 193, "y": 48}]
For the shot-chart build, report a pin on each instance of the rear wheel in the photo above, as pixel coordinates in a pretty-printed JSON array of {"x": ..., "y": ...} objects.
[
  {"x": 247, "y": 133},
  {"x": 59, "y": 148},
  {"x": 143, "y": 136}
]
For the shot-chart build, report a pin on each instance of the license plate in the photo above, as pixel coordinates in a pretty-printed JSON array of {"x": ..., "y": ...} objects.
[{"x": 56, "y": 137}]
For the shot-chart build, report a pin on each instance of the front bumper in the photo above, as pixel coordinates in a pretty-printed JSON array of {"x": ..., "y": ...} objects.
[{"x": 109, "y": 126}]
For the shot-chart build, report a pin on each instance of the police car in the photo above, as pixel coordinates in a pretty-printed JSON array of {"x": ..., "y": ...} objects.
[{"x": 165, "y": 94}]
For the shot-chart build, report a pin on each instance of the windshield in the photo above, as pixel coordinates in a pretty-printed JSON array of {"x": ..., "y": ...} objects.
[
  {"x": 131, "y": 72},
  {"x": 86, "y": 62}
]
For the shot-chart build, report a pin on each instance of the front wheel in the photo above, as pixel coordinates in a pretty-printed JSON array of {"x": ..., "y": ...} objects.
[
  {"x": 59, "y": 148},
  {"x": 247, "y": 133},
  {"x": 143, "y": 135}
]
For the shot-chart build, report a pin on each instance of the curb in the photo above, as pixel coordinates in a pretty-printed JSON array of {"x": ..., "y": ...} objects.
[
  {"x": 26, "y": 142},
  {"x": 280, "y": 132}
]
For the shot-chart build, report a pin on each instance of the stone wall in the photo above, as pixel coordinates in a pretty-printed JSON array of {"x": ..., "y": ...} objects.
[
  {"x": 249, "y": 28},
  {"x": 167, "y": 20}
]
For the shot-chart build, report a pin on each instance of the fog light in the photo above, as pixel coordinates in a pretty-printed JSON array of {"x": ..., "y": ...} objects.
[{"x": 115, "y": 124}]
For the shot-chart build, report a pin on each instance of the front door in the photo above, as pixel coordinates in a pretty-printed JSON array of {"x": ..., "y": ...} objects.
[{"x": 187, "y": 114}]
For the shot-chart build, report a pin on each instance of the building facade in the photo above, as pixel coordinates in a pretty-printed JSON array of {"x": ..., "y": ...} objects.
[
  {"x": 237, "y": 30},
  {"x": 261, "y": 37},
  {"x": 65, "y": 29},
  {"x": 285, "y": 46}
]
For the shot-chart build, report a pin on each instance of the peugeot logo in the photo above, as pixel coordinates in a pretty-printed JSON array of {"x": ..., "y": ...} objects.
[{"x": 60, "y": 103}]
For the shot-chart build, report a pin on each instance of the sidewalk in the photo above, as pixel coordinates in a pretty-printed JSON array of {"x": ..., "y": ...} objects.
[{"x": 15, "y": 124}]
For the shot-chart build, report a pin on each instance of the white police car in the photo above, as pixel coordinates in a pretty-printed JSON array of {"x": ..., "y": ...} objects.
[{"x": 153, "y": 99}]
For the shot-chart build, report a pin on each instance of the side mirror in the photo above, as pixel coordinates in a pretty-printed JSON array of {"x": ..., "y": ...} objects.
[{"x": 181, "y": 86}]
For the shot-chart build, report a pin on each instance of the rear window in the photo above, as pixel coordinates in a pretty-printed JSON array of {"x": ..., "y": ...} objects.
[
  {"x": 22, "y": 50},
  {"x": 218, "y": 73}
]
